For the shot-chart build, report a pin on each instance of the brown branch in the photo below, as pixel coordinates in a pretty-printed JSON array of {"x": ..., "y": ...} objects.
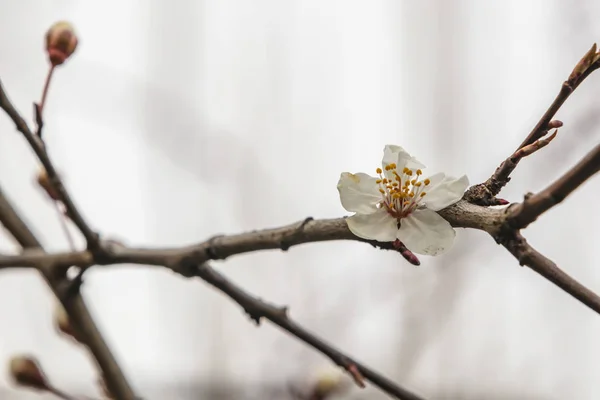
[
  {"x": 521, "y": 215},
  {"x": 527, "y": 255},
  {"x": 461, "y": 214},
  {"x": 257, "y": 309},
  {"x": 73, "y": 303},
  {"x": 39, "y": 148},
  {"x": 191, "y": 263},
  {"x": 485, "y": 193},
  {"x": 588, "y": 64}
]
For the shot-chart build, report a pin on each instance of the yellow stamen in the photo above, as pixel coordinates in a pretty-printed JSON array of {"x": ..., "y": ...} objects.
[
  {"x": 379, "y": 171},
  {"x": 419, "y": 172},
  {"x": 426, "y": 181},
  {"x": 423, "y": 194}
]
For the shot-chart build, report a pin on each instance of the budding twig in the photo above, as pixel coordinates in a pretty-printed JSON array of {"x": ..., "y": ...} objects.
[
  {"x": 73, "y": 303},
  {"x": 485, "y": 193}
]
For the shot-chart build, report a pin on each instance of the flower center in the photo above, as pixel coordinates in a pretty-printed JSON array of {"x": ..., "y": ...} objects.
[{"x": 401, "y": 192}]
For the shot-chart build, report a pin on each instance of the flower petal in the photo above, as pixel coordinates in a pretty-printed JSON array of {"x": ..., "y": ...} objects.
[
  {"x": 394, "y": 154},
  {"x": 359, "y": 192},
  {"x": 447, "y": 192},
  {"x": 379, "y": 226},
  {"x": 425, "y": 232},
  {"x": 400, "y": 157}
]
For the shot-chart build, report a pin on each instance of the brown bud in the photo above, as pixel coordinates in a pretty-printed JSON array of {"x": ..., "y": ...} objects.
[
  {"x": 61, "y": 318},
  {"x": 44, "y": 181},
  {"x": 582, "y": 66},
  {"x": 26, "y": 372},
  {"x": 61, "y": 42}
]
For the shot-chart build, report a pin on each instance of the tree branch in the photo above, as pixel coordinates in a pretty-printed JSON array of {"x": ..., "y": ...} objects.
[
  {"x": 527, "y": 255},
  {"x": 461, "y": 214},
  {"x": 258, "y": 309},
  {"x": 39, "y": 148},
  {"x": 521, "y": 215},
  {"x": 485, "y": 193},
  {"x": 73, "y": 303}
]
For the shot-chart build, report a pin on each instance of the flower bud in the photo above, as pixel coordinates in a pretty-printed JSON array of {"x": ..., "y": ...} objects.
[
  {"x": 44, "y": 181},
  {"x": 329, "y": 381},
  {"x": 26, "y": 372},
  {"x": 61, "y": 42},
  {"x": 63, "y": 324}
]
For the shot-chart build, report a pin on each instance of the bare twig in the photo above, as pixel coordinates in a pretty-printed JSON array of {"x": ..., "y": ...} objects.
[
  {"x": 485, "y": 193},
  {"x": 257, "y": 309},
  {"x": 73, "y": 303},
  {"x": 521, "y": 215},
  {"x": 39, "y": 148},
  {"x": 588, "y": 64},
  {"x": 527, "y": 255}
]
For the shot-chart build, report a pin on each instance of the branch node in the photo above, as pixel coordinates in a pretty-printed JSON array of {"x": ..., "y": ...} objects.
[
  {"x": 37, "y": 112},
  {"x": 211, "y": 251},
  {"x": 359, "y": 379},
  {"x": 288, "y": 241}
]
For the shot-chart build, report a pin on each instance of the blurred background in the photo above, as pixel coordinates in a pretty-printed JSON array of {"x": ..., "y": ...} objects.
[{"x": 176, "y": 121}]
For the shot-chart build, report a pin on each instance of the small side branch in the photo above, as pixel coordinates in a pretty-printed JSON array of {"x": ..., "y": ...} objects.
[
  {"x": 39, "y": 148},
  {"x": 521, "y": 215},
  {"x": 73, "y": 303},
  {"x": 485, "y": 193},
  {"x": 527, "y": 255},
  {"x": 258, "y": 309}
]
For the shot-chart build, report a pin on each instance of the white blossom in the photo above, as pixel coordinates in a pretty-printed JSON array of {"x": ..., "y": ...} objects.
[{"x": 400, "y": 204}]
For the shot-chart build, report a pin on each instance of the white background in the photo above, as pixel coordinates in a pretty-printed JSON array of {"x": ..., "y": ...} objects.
[{"x": 176, "y": 121}]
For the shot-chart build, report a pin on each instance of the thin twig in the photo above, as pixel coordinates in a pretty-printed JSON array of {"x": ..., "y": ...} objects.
[
  {"x": 521, "y": 215},
  {"x": 485, "y": 193},
  {"x": 73, "y": 303},
  {"x": 257, "y": 309},
  {"x": 45, "y": 90},
  {"x": 39, "y": 148},
  {"x": 588, "y": 64},
  {"x": 527, "y": 255},
  {"x": 63, "y": 223}
]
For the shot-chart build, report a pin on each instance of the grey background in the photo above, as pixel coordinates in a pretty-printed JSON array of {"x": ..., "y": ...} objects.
[{"x": 179, "y": 120}]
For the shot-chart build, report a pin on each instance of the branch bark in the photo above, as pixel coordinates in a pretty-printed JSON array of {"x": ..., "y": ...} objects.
[
  {"x": 73, "y": 303},
  {"x": 525, "y": 213}
]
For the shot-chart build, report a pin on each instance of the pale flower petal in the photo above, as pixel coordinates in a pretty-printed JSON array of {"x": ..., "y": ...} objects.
[
  {"x": 394, "y": 154},
  {"x": 447, "y": 192},
  {"x": 359, "y": 192},
  {"x": 400, "y": 157},
  {"x": 379, "y": 226},
  {"x": 425, "y": 232}
]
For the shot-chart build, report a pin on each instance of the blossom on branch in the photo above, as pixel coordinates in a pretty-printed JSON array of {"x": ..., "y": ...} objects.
[{"x": 400, "y": 204}]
